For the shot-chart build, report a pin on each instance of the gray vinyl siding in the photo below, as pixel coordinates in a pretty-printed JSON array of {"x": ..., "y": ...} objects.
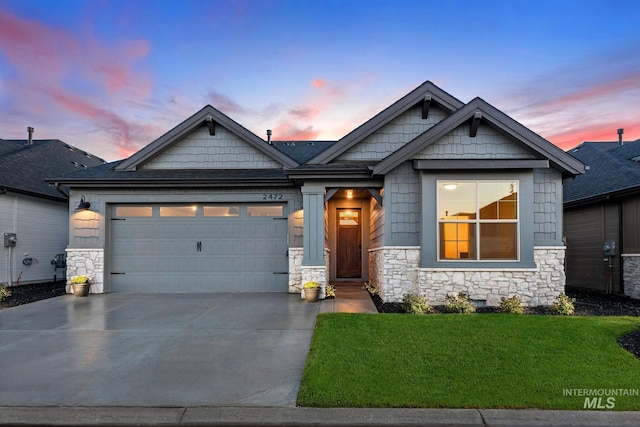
[
  {"x": 393, "y": 135},
  {"x": 402, "y": 203},
  {"x": 200, "y": 150},
  {"x": 42, "y": 227},
  {"x": 586, "y": 229},
  {"x": 376, "y": 223},
  {"x": 631, "y": 227},
  {"x": 487, "y": 144},
  {"x": 547, "y": 207}
]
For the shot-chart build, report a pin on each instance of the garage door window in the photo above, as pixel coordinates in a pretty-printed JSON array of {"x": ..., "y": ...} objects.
[
  {"x": 178, "y": 211},
  {"x": 134, "y": 211},
  {"x": 265, "y": 210},
  {"x": 221, "y": 211}
]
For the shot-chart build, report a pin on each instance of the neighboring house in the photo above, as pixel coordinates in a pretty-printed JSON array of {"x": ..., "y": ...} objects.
[
  {"x": 33, "y": 211},
  {"x": 602, "y": 207},
  {"x": 431, "y": 195}
]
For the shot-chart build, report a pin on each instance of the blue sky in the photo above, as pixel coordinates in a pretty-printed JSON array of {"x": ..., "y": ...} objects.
[{"x": 111, "y": 76}]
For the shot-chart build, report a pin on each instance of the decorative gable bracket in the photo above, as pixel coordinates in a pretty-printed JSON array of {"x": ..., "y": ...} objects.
[
  {"x": 211, "y": 124},
  {"x": 475, "y": 123},
  {"x": 426, "y": 103}
]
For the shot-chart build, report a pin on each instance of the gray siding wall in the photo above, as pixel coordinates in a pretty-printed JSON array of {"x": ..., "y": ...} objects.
[
  {"x": 376, "y": 222},
  {"x": 42, "y": 228},
  {"x": 402, "y": 205},
  {"x": 199, "y": 150},
  {"x": 547, "y": 207},
  {"x": 393, "y": 135},
  {"x": 631, "y": 228},
  {"x": 586, "y": 229},
  {"x": 487, "y": 144}
]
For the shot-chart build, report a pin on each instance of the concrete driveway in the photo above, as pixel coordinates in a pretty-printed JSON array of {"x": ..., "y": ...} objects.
[{"x": 227, "y": 349}]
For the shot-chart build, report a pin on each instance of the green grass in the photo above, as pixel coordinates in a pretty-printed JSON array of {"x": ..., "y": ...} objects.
[{"x": 467, "y": 361}]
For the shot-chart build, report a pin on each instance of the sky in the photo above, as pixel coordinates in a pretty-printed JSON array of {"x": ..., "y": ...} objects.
[{"x": 109, "y": 77}]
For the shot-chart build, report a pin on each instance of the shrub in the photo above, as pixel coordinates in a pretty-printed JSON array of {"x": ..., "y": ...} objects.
[
  {"x": 511, "y": 305},
  {"x": 563, "y": 305},
  {"x": 311, "y": 285},
  {"x": 4, "y": 292},
  {"x": 371, "y": 288},
  {"x": 416, "y": 304},
  {"x": 330, "y": 291},
  {"x": 459, "y": 304}
]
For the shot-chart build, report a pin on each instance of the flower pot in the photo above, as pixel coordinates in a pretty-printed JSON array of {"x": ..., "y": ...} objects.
[
  {"x": 81, "y": 289},
  {"x": 311, "y": 294}
]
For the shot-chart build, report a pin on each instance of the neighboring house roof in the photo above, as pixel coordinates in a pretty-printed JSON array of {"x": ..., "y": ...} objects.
[
  {"x": 211, "y": 117},
  {"x": 302, "y": 151},
  {"x": 475, "y": 111},
  {"x": 25, "y": 168},
  {"x": 613, "y": 170},
  {"x": 426, "y": 94}
]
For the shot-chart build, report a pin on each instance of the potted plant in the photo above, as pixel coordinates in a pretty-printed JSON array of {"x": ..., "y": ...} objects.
[
  {"x": 311, "y": 291},
  {"x": 80, "y": 285}
]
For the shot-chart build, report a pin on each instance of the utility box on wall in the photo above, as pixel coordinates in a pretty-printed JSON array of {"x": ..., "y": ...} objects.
[
  {"x": 10, "y": 240},
  {"x": 609, "y": 248}
]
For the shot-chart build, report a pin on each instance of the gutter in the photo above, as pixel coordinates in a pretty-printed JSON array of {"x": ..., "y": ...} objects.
[{"x": 60, "y": 190}]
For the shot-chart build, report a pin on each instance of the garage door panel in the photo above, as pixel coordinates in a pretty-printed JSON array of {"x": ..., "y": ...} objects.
[{"x": 161, "y": 254}]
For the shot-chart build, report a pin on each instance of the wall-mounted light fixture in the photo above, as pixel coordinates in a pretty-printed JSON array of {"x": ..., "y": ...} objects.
[
  {"x": 349, "y": 194},
  {"x": 83, "y": 205}
]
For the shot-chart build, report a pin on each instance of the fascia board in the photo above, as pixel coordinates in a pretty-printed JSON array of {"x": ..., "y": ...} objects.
[{"x": 385, "y": 116}]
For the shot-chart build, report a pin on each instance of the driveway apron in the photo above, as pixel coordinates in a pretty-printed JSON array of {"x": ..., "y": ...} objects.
[{"x": 246, "y": 349}]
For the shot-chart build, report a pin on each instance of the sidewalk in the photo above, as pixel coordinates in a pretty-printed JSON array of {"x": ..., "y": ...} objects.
[{"x": 269, "y": 416}]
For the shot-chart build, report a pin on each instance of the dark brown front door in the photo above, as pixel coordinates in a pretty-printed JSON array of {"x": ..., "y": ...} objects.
[{"x": 349, "y": 257}]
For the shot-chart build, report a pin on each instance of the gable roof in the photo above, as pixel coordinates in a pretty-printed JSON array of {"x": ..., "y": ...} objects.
[
  {"x": 25, "y": 168},
  {"x": 427, "y": 90},
  {"x": 206, "y": 114},
  {"x": 614, "y": 169},
  {"x": 478, "y": 108}
]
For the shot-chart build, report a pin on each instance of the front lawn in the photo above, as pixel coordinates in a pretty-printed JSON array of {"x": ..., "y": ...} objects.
[{"x": 469, "y": 361}]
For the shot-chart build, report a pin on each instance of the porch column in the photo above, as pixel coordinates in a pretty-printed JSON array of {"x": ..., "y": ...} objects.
[{"x": 313, "y": 230}]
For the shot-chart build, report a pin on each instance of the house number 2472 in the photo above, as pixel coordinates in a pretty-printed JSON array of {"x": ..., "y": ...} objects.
[{"x": 272, "y": 196}]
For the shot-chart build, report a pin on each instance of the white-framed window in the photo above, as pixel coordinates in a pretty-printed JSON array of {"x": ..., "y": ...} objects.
[{"x": 478, "y": 220}]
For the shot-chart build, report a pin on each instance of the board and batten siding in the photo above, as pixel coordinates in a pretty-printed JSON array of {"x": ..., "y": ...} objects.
[
  {"x": 631, "y": 227},
  {"x": 586, "y": 229},
  {"x": 41, "y": 227},
  {"x": 200, "y": 150}
]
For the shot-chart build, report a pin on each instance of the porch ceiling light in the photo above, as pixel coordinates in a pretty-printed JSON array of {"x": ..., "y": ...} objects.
[
  {"x": 84, "y": 205},
  {"x": 349, "y": 194}
]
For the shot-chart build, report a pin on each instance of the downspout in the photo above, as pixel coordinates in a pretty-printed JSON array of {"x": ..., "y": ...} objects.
[{"x": 61, "y": 191}]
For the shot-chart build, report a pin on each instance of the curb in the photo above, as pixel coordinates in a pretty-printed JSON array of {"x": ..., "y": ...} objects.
[{"x": 270, "y": 416}]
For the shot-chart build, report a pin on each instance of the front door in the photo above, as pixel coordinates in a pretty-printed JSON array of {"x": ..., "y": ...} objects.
[{"x": 349, "y": 244}]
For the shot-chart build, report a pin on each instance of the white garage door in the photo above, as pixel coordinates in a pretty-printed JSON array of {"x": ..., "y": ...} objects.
[{"x": 199, "y": 248}]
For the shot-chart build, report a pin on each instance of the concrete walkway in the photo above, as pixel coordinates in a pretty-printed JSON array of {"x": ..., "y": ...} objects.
[{"x": 350, "y": 298}]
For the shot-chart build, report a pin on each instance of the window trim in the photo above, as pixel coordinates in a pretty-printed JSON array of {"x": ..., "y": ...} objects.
[{"x": 477, "y": 222}]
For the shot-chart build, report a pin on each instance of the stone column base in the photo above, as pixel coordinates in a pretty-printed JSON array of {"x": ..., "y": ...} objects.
[
  {"x": 631, "y": 275},
  {"x": 86, "y": 262}
]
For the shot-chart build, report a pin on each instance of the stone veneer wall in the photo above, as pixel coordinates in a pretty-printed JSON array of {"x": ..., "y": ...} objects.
[
  {"x": 89, "y": 262},
  {"x": 396, "y": 272},
  {"x": 631, "y": 275},
  {"x": 300, "y": 274}
]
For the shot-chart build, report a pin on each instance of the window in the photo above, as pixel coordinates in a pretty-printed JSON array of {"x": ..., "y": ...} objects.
[
  {"x": 265, "y": 210},
  {"x": 224, "y": 211},
  {"x": 178, "y": 211},
  {"x": 478, "y": 220},
  {"x": 134, "y": 211}
]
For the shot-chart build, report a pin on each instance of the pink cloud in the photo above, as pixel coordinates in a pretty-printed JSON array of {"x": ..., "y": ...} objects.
[
  {"x": 596, "y": 132},
  {"x": 304, "y": 113},
  {"x": 287, "y": 132},
  {"x": 225, "y": 104},
  {"x": 318, "y": 83}
]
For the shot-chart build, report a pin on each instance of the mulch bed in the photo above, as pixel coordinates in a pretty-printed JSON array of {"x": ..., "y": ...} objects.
[
  {"x": 588, "y": 303},
  {"x": 24, "y": 294}
]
